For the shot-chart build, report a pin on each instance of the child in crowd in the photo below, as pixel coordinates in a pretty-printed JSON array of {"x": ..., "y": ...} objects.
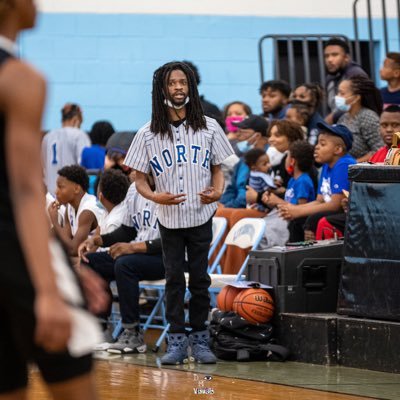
[
  {"x": 275, "y": 96},
  {"x": 390, "y": 72},
  {"x": 300, "y": 189},
  {"x": 82, "y": 215},
  {"x": 300, "y": 113},
  {"x": 312, "y": 95},
  {"x": 389, "y": 123},
  {"x": 111, "y": 192},
  {"x": 259, "y": 179},
  {"x": 334, "y": 143}
]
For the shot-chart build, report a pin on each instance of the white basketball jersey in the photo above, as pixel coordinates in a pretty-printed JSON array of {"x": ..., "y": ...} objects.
[
  {"x": 88, "y": 202},
  {"x": 60, "y": 148}
]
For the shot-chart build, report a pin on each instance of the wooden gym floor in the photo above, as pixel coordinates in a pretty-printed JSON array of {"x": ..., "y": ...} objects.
[{"x": 139, "y": 376}]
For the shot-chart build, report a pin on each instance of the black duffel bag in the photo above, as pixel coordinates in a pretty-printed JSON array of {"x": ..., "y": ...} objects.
[{"x": 233, "y": 338}]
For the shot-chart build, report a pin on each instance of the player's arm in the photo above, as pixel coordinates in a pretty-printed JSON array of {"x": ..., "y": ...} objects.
[
  {"x": 214, "y": 192},
  {"x": 166, "y": 198},
  {"x": 22, "y": 96},
  {"x": 86, "y": 222}
]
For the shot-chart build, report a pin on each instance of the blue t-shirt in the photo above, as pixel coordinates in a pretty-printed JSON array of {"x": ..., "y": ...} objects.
[
  {"x": 390, "y": 97},
  {"x": 300, "y": 188},
  {"x": 334, "y": 180},
  {"x": 93, "y": 157}
]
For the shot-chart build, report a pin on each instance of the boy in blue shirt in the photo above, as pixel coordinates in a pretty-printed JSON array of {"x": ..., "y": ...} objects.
[
  {"x": 334, "y": 142},
  {"x": 300, "y": 188}
]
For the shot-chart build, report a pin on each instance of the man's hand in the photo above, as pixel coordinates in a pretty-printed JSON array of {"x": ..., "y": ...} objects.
[
  {"x": 120, "y": 249},
  {"x": 209, "y": 195},
  {"x": 90, "y": 245},
  {"x": 167, "y": 198},
  {"x": 53, "y": 322},
  {"x": 95, "y": 290}
]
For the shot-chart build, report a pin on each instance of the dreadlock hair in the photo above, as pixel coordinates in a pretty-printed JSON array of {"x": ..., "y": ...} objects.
[
  {"x": 159, "y": 116},
  {"x": 370, "y": 95}
]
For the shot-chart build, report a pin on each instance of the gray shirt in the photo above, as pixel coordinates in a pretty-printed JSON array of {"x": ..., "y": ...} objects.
[
  {"x": 181, "y": 165},
  {"x": 365, "y": 129}
]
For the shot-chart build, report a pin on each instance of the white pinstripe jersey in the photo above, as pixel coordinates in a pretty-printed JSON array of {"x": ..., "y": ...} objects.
[
  {"x": 181, "y": 165},
  {"x": 61, "y": 147},
  {"x": 141, "y": 214}
]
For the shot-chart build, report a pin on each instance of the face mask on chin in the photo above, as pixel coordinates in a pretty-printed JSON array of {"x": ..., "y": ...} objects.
[
  {"x": 176, "y": 107},
  {"x": 340, "y": 103}
]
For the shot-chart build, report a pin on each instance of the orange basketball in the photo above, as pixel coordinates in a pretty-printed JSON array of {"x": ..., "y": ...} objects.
[
  {"x": 226, "y": 296},
  {"x": 254, "y": 305}
]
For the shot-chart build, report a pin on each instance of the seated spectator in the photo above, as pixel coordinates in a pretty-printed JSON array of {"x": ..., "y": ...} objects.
[
  {"x": 134, "y": 255},
  {"x": 390, "y": 72},
  {"x": 389, "y": 124},
  {"x": 93, "y": 157},
  {"x": 334, "y": 143},
  {"x": 233, "y": 112},
  {"x": 361, "y": 103},
  {"x": 300, "y": 113},
  {"x": 82, "y": 215},
  {"x": 312, "y": 95},
  {"x": 117, "y": 147},
  {"x": 252, "y": 132},
  {"x": 111, "y": 192},
  {"x": 300, "y": 189},
  {"x": 260, "y": 179},
  {"x": 275, "y": 96}
]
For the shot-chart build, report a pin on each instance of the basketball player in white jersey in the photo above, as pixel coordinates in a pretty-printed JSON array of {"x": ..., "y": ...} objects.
[
  {"x": 184, "y": 150},
  {"x": 134, "y": 255},
  {"x": 63, "y": 146},
  {"x": 36, "y": 324},
  {"x": 82, "y": 214}
]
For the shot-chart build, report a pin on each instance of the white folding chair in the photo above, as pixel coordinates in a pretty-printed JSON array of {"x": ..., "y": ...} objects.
[{"x": 246, "y": 234}]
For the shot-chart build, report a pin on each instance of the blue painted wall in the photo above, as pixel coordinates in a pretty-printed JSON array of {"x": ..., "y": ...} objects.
[{"x": 106, "y": 62}]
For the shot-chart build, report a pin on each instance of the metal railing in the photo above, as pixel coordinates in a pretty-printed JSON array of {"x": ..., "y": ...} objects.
[
  {"x": 386, "y": 42},
  {"x": 291, "y": 61}
]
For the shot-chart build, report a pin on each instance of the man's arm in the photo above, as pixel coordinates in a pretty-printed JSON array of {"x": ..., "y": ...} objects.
[
  {"x": 143, "y": 187},
  {"x": 22, "y": 96},
  {"x": 214, "y": 192}
]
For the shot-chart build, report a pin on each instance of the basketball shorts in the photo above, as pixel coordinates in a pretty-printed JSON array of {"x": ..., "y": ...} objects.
[{"x": 17, "y": 326}]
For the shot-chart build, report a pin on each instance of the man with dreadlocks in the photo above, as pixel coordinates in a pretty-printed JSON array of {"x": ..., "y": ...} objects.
[{"x": 184, "y": 150}]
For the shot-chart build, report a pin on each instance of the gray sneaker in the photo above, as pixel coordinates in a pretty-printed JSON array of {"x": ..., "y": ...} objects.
[
  {"x": 200, "y": 348},
  {"x": 130, "y": 341},
  {"x": 177, "y": 350}
]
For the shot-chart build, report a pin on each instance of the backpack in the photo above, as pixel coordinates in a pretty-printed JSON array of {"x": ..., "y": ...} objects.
[{"x": 233, "y": 338}]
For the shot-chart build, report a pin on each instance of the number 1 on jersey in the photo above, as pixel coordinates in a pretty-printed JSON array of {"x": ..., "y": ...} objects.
[{"x": 54, "y": 147}]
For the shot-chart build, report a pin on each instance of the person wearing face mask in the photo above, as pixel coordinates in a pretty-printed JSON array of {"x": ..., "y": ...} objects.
[
  {"x": 360, "y": 101},
  {"x": 233, "y": 113},
  {"x": 63, "y": 146}
]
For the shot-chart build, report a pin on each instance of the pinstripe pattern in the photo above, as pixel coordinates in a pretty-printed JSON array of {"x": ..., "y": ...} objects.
[
  {"x": 181, "y": 166},
  {"x": 142, "y": 215}
]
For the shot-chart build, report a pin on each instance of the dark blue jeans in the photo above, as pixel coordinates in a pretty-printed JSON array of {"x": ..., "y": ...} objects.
[
  {"x": 128, "y": 271},
  {"x": 196, "y": 242}
]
